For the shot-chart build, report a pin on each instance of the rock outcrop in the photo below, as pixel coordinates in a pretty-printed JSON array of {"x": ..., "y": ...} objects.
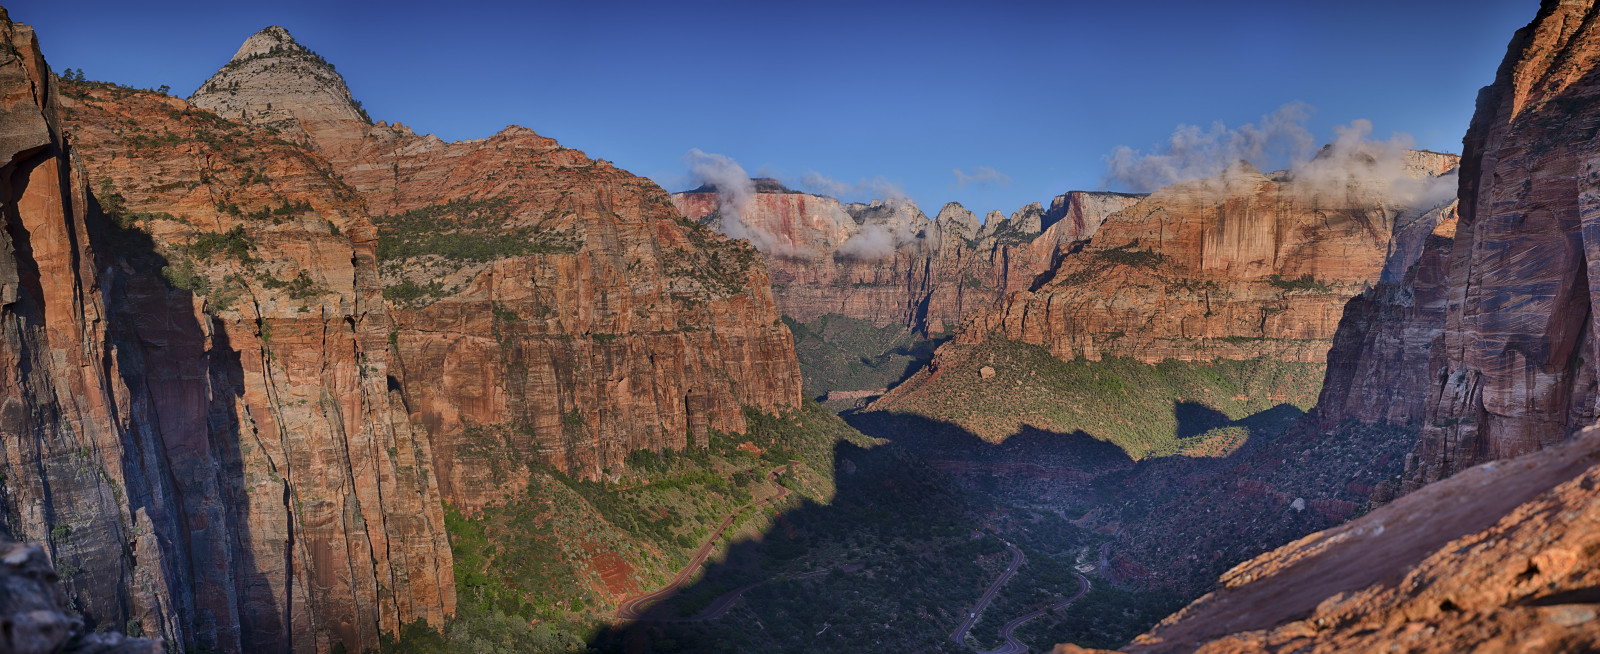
[
  {"x": 887, "y": 262},
  {"x": 273, "y": 81},
  {"x": 550, "y": 309},
  {"x": 37, "y": 618},
  {"x": 1500, "y": 557},
  {"x": 1390, "y": 340},
  {"x": 1519, "y": 340}
]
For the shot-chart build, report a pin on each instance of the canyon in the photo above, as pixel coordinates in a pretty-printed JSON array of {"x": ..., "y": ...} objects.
[
  {"x": 1480, "y": 351},
  {"x": 276, "y": 375}
]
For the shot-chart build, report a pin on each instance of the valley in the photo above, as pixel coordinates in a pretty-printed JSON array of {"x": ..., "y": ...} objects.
[{"x": 280, "y": 376}]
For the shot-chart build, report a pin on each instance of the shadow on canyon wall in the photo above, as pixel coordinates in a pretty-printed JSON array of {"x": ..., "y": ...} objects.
[{"x": 168, "y": 536}]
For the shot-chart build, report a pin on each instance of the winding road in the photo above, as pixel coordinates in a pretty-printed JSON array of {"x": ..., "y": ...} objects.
[
  {"x": 634, "y": 608},
  {"x": 960, "y": 634},
  {"x": 1014, "y": 646}
]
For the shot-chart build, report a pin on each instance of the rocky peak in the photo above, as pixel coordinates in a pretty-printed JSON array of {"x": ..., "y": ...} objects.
[
  {"x": 274, "y": 38},
  {"x": 992, "y": 222},
  {"x": 1029, "y": 219},
  {"x": 275, "y": 82},
  {"x": 956, "y": 219}
]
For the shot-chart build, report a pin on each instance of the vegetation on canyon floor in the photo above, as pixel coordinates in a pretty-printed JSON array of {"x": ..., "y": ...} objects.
[
  {"x": 839, "y": 353},
  {"x": 1146, "y": 410}
]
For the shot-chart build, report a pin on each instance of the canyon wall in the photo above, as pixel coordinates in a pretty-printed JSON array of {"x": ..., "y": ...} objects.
[
  {"x": 1519, "y": 340},
  {"x": 549, "y": 309},
  {"x": 1234, "y": 267},
  {"x": 888, "y": 263},
  {"x": 248, "y": 363},
  {"x": 1480, "y": 337},
  {"x": 1487, "y": 343}
]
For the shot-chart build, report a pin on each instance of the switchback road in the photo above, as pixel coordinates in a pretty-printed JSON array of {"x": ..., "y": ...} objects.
[
  {"x": 960, "y": 634},
  {"x": 1014, "y": 646}
]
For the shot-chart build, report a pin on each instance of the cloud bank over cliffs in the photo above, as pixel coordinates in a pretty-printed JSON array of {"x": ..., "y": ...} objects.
[{"x": 1353, "y": 159}]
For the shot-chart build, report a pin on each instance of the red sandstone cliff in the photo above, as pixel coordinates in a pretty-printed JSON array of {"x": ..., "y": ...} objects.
[
  {"x": 195, "y": 363},
  {"x": 888, "y": 263},
  {"x": 549, "y": 308},
  {"x": 316, "y": 324},
  {"x": 1486, "y": 346},
  {"x": 1519, "y": 345},
  {"x": 1235, "y": 267}
]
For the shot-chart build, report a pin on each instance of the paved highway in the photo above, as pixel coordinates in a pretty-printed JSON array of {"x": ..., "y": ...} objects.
[
  {"x": 960, "y": 634},
  {"x": 634, "y": 608},
  {"x": 1014, "y": 646}
]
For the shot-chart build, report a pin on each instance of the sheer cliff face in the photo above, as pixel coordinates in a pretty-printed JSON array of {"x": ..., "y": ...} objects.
[
  {"x": 195, "y": 363},
  {"x": 548, "y": 308},
  {"x": 1389, "y": 343},
  {"x": 888, "y": 263},
  {"x": 1235, "y": 267},
  {"x": 1519, "y": 336}
]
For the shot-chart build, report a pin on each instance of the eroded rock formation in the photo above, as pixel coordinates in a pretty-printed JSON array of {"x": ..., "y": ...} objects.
[
  {"x": 549, "y": 308},
  {"x": 218, "y": 338},
  {"x": 1488, "y": 341},
  {"x": 887, "y": 262}
]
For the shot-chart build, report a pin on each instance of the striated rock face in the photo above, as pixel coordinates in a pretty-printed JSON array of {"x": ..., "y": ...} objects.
[
  {"x": 1235, "y": 267},
  {"x": 887, "y": 263},
  {"x": 1519, "y": 345},
  {"x": 1390, "y": 341},
  {"x": 1498, "y": 556},
  {"x": 245, "y": 303},
  {"x": 548, "y": 308}
]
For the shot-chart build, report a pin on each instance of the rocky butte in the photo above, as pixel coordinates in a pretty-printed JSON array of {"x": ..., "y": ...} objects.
[{"x": 236, "y": 345}]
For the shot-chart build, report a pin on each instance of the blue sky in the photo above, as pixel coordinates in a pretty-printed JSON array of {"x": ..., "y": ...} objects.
[{"x": 907, "y": 92}]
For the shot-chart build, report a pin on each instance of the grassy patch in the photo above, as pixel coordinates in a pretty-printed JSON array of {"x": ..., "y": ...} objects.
[
  {"x": 465, "y": 231},
  {"x": 1147, "y": 410},
  {"x": 1304, "y": 282}
]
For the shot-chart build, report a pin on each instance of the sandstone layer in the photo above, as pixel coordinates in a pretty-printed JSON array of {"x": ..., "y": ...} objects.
[
  {"x": 887, "y": 262},
  {"x": 1234, "y": 267},
  {"x": 550, "y": 309}
]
